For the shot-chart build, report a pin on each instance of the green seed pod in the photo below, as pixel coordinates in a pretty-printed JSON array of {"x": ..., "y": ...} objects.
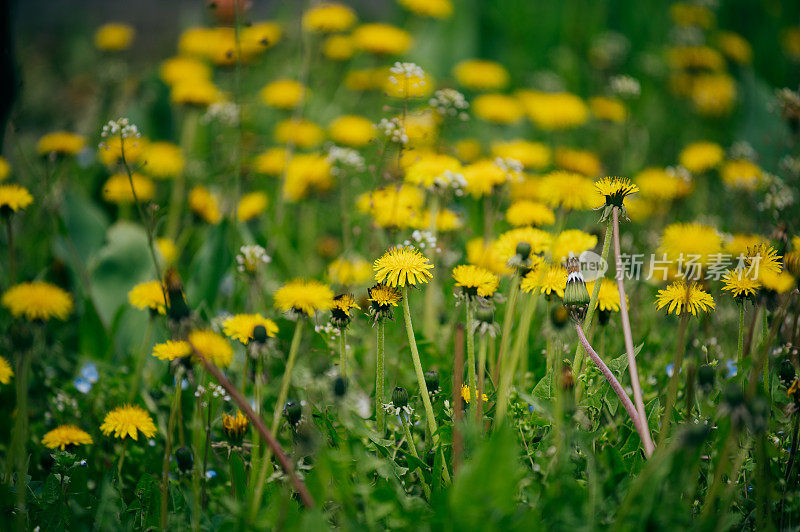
[
  {"x": 484, "y": 314},
  {"x": 340, "y": 386},
  {"x": 523, "y": 250},
  {"x": 259, "y": 334},
  {"x": 432, "y": 381},
  {"x": 293, "y": 412},
  {"x": 400, "y": 397},
  {"x": 184, "y": 458}
]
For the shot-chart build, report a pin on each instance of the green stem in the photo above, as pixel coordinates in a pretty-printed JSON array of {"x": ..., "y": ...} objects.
[
  {"x": 343, "y": 352},
  {"x": 509, "y": 369},
  {"x": 173, "y": 411},
  {"x": 136, "y": 378},
  {"x": 740, "y": 344},
  {"x": 121, "y": 462},
  {"x": 380, "y": 415},
  {"x": 423, "y": 388},
  {"x": 413, "y": 448},
  {"x": 472, "y": 378},
  {"x": 508, "y": 321},
  {"x": 177, "y": 198},
  {"x": 430, "y": 310},
  {"x": 482, "y": 349},
  {"x": 19, "y": 443},
  {"x": 672, "y": 392},
  {"x": 287, "y": 375},
  {"x": 764, "y": 334},
  {"x": 12, "y": 262},
  {"x": 580, "y": 352}
]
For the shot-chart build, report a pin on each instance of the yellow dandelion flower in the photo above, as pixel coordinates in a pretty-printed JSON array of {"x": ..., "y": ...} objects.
[
  {"x": 177, "y": 69},
  {"x": 110, "y": 154},
  {"x": 167, "y": 250},
  {"x": 412, "y": 86},
  {"x": 235, "y": 426},
  {"x": 741, "y": 174},
  {"x": 610, "y": 109},
  {"x": 5, "y": 371},
  {"x": 569, "y": 191},
  {"x": 678, "y": 298},
  {"x": 351, "y": 130},
  {"x": 305, "y": 173},
  {"x": 205, "y": 204},
  {"x": 430, "y": 169},
  {"x": 554, "y": 111},
  {"x": 468, "y": 150},
  {"x": 780, "y": 282},
  {"x": 690, "y": 241},
  {"x": 172, "y": 349},
  {"x": 481, "y": 75},
  {"x": 349, "y": 271},
  {"x": 505, "y": 246},
  {"x": 328, "y": 17},
  {"x": 607, "y": 297},
  {"x": 428, "y": 8},
  {"x": 366, "y": 79},
  {"x": 61, "y": 143},
  {"x": 304, "y": 296},
  {"x": 342, "y": 305},
  {"x": 259, "y": 36},
  {"x": 118, "y": 189},
  {"x": 241, "y": 326},
  {"x": 128, "y": 420},
  {"x": 475, "y": 280},
  {"x": 738, "y": 244},
  {"x": 764, "y": 257},
  {"x": 571, "y": 241},
  {"x": 38, "y": 300},
  {"x": 497, "y": 108},
  {"x": 465, "y": 394},
  {"x": 383, "y": 297},
  {"x": 446, "y": 220},
  {"x": 211, "y": 346},
  {"x": 422, "y": 128},
  {"x": 300, "y": 132},
  {"x": 659, "y": 184},
  {"x": 702, "y": 156},
  {"x": 483, "y": 253},
  {"x": 148, "y": 295},
  {"x": 615, "y": 189},
  {"x": 284, "y": 94},
  {"x": 251, "y": 206},
  {"x": 482, "y": 177},
  {"x": 338, "y": 47},
  {"x": 66, "y": 435},
  {"x": 402, "y": 265},
  {"x": 382, "y": 39},
  {"x": 545, "y": 279},
  {"x": 114, "y": 37},
  {"x": 392, "y": 206},
  {"x": 14, "y": 198},
  {"x": 695, "y": 58},
  {"x": 687, "y": 14},
  {"x": 581, "y": 161},
  {"x": 739, "y": 284},
  {"x": 531, "y": 155},
  {"x": 163, "y": 160},
  {"x": 527, "y": 212},
  {"x": 713, "y": 94},
  {"x": 195, "y": 92},
  {"x": 271, "y": 162}
]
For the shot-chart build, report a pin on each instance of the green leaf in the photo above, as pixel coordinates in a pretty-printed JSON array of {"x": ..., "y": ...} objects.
[
  {"x": 208, "y": 267},
  {"x": 86, "y": 224},
  {"x": 52, "y": 490}
]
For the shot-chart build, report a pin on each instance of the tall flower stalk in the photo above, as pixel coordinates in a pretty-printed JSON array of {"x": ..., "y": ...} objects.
[{"x": 380, "y": 379}]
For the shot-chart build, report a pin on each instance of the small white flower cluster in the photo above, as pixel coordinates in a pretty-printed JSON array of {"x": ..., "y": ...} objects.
[
  {"x": 450, "y": 180},
  {"x": 790, "y": 165},
  {"x": 512, "y": 168},
  {"x": 395, "y": 411},
  {"x": 215, "y": 391},
  {"x": 394, "y": 130},
  {"x": 742, "y": 150},
  {"x": 342, "y": 158},
  {"x": 121, "y": 127},
  {"x": 680, "y": 172},
  {"x": 450, "y": 102},
  {"x": 625, "y": 86},
  {"x": 778, "y": 195},
  {"x": 250, "y": 257},
  {"x": 423, "y": 240},
  {"x": 408, "y": 71},
  {"x": 224, "y": 112},
  {"x": 328, "y": 330}
]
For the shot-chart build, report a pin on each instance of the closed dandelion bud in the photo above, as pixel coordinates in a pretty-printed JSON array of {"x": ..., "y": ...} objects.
[
  {"x": 339, "y": 386},
  {"x": 293, "y": 412},
  {"x": 523, "y": 250},
  {"x": 184, "y": 458},
  {"x": 432, "y": 381},
  {"x": 484, "y": 314},
  {"x": 786, "y": 372},
  {"x": 177, "y": 309},
  {"x": 576, "y": 297},
  {"x": 559, "y": 316},
  {"x": 705, "y": 376},
  {"x": 400, "y": 397},
  {"x": 259, "y": 334}
]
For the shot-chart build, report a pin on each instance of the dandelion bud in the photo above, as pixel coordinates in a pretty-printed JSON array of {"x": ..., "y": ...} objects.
[
  {"x": 400, "y": 397},
  {"x": 576, "y": 297},
  {"x": 259, "y": 334},
  {"x": 184, "y": 458},
  {"x": 235, "y": 427},
  {"x": 432, "y": 381},
  {"x": 484, "y": 314},
  {"x": 293, "y": 412},
  {"x": 786, "y": 372},
  {"x": 177, "y": 309},
  {"x": 524, "y": 250},
  {"x": 340, "y": 386}
]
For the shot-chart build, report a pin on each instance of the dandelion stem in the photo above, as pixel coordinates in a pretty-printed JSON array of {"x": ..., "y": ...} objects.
[
  {"x": 423, "y": 388},
  {"x": 413, "y": 448},
  {"x": 430, "y": 310},
  {"x": 287, "y": 374},
  {"x": 20, "y": 437},
  {"x": 380, "y": 415},
  {"x": 136, "y": 378},
  {"x": 641, "y": 429},
  {"x": 626, "y": 328},
  {"x": 508, "y": 321},
  {"x": 343, "y": 352},
  {"x": 740, "y": 344},
  {"x": 672, "y": 391},
  {"x": 12, "y": 259},
  {"x": 173, "y": 411},
  {"x": 764, "y": 334},
  {"x": 577, "y": 363},
  {"x": 471, "y": 377},
  {"x": 121, "y": 462},
  {"x": 509, "y": 369},
  {"x": 482, "y": 348}
]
